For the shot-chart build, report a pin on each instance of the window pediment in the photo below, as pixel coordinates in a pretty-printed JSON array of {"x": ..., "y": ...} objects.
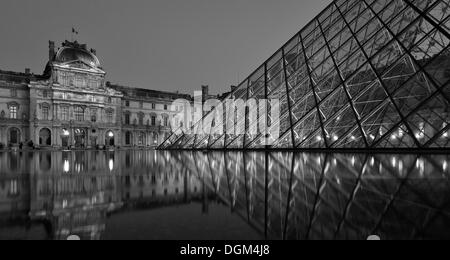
[
  {"x": 13, "y": 104},
  {"x": 45, "y": 105}
]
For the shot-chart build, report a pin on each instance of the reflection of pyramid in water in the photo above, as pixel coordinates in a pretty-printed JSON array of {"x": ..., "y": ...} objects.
[{"x": 363, "y": 74}]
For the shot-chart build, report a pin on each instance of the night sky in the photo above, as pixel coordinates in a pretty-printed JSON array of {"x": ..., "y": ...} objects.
[{"x": 171, "y": 45}]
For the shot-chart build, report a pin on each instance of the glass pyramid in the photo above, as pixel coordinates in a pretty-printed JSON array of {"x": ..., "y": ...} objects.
[{"x": 364, "y": 74}]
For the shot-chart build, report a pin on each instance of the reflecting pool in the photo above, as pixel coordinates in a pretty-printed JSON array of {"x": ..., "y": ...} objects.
[{"x": 216, "y": 195}]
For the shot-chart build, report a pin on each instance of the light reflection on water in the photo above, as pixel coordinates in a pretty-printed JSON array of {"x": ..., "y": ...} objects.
[{"x": 195, "y": 195}]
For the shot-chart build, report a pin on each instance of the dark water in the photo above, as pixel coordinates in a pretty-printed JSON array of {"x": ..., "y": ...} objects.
[{"x": 203, "y": 196}]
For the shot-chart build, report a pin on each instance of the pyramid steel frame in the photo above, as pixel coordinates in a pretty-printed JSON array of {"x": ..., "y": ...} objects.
[{"x": 364, "y": 74}]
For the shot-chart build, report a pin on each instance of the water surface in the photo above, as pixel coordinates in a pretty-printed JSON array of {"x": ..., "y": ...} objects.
[{"x": 215, "y": 195}]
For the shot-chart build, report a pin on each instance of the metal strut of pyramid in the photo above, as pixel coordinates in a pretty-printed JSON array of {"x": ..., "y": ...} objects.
[{"x": 364, "y": 74}]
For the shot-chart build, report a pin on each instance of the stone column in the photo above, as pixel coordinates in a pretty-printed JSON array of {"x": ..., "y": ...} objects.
[
  {"x": 56, "y": 137},
  {"x": 87, "y": 139},
  {"x": 34, "y": 135},
  {"x": 1, "y": 135},
  {"x": 55, "y": 110},
  {"x": 101, "y": 137},
  {"x": 118, "y": 138},
  {"x": 72, "y": 137},
  {"x": 33, "y": 115}
]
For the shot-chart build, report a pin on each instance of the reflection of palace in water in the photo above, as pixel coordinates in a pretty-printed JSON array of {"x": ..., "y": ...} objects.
[
  {"x": 280, "y": 195},
  {"x": 57, "y": 194}
]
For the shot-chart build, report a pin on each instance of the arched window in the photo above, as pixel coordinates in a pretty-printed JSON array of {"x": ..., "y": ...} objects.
[
  {"x": 79, "y": 114},
  {"x": 45, "y": 137},
  {"x": 109, "y": 138}
]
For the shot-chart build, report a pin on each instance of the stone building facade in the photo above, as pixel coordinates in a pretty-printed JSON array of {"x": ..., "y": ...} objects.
[{"x": 71, "y": 105}]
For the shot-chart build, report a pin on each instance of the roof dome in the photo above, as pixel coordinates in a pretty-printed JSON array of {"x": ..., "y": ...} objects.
[{"x": 76, "y": 52}]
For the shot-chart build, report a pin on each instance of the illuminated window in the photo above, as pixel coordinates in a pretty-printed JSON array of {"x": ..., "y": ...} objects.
[
  {"x": 13, "y": 112},
  {"x": 65, "y": 132}
]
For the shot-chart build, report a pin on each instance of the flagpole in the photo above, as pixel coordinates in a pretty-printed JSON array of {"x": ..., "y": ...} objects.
[{"x": 74, "y": 32}]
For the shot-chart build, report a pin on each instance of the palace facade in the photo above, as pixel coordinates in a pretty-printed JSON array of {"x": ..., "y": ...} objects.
[{"x": 71, "y": 105}]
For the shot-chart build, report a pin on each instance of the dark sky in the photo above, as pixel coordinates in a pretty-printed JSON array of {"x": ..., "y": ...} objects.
[{"x": 174, "y": 45}]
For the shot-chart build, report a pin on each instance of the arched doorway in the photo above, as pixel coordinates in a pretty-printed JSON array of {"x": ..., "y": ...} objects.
[
  {"x": 45, "y": 137},
  {"x": 65, "y": 138},
  {"x": 128, "y": 138},
  {"x": 110, "y": 139},
  {"x": 14, "y": 136},
  {"x": 80, "y": 138}
]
